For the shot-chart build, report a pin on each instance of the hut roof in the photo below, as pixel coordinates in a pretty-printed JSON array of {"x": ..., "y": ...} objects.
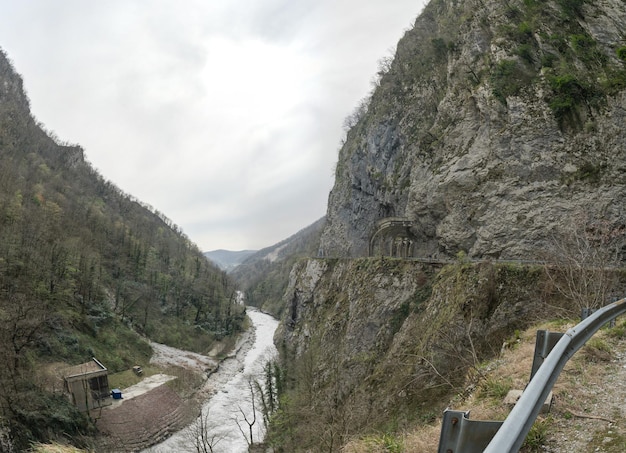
[{"x": 93, "y": 368}]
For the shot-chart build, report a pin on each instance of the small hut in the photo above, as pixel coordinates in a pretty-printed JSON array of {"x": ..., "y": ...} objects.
[{"x": 88, "y": 385}]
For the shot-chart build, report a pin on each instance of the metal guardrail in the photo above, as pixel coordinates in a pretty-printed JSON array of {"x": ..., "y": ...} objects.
[{"x": 458, "y": 435}]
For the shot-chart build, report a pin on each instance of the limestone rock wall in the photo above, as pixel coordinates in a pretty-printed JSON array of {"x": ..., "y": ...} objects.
[
  {"x": 496, "y": 123},
  {"x": 367, "y": 340}
]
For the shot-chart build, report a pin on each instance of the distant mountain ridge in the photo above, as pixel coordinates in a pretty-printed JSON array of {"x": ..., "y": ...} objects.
[
  {"x": 227, "y": 260},
  {"x": 264, "y": 275}
]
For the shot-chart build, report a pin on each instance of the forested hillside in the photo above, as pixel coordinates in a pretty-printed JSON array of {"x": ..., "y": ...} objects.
[
  {"x": 85, "y": 270},
  {"x": 264, "y": 276}
]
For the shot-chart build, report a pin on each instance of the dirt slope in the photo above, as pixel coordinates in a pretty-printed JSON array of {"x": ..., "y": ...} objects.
[
  {"x": 588, "y": 413},
  {"x": 142, "y": 421}
]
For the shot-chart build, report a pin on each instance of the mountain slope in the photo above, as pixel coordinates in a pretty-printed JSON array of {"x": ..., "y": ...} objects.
[
  {"x": 227, "y": 259},
  {"x": 264, "y": 275},
  {"x": 83, "y": 268}
]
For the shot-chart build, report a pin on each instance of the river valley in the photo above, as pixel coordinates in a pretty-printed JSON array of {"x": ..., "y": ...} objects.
[{"x": 230, "y": 403}]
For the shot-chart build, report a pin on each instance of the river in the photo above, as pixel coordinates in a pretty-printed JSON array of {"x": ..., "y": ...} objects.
[{"x": 231, "y": 400}]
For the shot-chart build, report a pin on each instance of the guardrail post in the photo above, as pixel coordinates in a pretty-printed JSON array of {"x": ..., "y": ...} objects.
[
  {"x": 544, "y": 343},
  {"x": 459, "y": 434},
  {"x": 586, "y": 312}
]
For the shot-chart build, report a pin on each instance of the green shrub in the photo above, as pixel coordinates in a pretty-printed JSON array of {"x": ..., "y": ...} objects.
[
  {"x": 621, "y": 53},
  {"x": 495, "y": 388},
  {"x": 567, "y": 84},
  {"x": 559, "y": 42},
  {"x": 568, "y": 93},
  {"x": 597, "y": 350},
  {"x": 571, "y": 8},
  {"x": 615, "y": 81},
  {"x": 537, "y": 435},
  {"x": 548, "y": 59},
  {"x": 524, "y": 51},
  {"x": 513, "y": 13},
  {"x": 386, "y": 442},
  {"x": 440, "y": 47},
  {"x": 586, "y": 49},
  {"x": 587, "y": 172},
  {"x": 525, "y": 31},
  {"x": 582, "y": 42},
  {"x": 563, "y": 106},
  {"x": 599, "y": 344},
  {"x": 522, "y": 33},
  {"x": 507, "y": 78}
]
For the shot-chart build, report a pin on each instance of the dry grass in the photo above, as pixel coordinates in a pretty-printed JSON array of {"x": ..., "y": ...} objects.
[
  {"x": 586, "y": 414},
  {"x": 424, "y": 440},
  {"x": 126, "y": 378}
]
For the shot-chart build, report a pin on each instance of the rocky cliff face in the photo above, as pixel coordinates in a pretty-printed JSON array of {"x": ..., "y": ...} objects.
[
  {"x": 373, "y": 341},
  {"x": 496, "y": 123},
  {"x": 17, "y": 118}
]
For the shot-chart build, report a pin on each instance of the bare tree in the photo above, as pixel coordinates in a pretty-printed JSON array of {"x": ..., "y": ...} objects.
[
  {"x": 582, "y": 260},
  {"x": 357, "y": 114},
  {"x": 202, "y": 433},
  {"x": 249, "y": 420},
  {"x": 21, "y": 321},
  {"x": 452, "y": 353}
]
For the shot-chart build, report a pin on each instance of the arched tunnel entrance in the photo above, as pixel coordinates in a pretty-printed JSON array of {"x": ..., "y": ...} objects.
[{"x": 393, "y": 237}]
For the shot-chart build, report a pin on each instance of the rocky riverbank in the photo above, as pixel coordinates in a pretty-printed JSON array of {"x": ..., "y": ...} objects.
[{"x": 155, "y": 413}]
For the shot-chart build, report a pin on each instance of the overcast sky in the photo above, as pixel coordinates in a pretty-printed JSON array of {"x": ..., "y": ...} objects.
[{"x": 226, "y": 116}]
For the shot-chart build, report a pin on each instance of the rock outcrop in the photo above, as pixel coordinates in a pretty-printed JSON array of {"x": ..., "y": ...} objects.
[
  {"x": 374, "y": 341},
  {"x": 18, "y": 121},
  {"x": 496, "y": 123}
]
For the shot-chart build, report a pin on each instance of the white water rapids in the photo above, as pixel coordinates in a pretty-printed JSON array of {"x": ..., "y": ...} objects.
[{"x": 232, "y": 399}]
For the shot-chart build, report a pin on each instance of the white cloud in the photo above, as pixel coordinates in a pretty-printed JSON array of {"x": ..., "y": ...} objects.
[{"x": 225, "y": 116}]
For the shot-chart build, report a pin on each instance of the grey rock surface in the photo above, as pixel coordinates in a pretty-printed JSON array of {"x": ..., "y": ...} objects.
[{"x": 482, "y": 162}]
